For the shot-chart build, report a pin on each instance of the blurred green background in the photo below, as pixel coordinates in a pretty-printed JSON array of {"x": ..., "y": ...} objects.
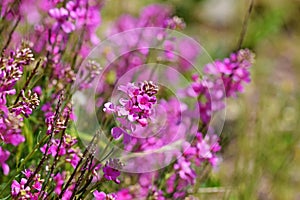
[{"x": 261, "y": 154}]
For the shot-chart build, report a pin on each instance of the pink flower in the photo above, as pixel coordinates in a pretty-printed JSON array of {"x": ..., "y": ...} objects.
[
  {"x": 109, "y": 107},
  {"x": 124, "y": 194},
  {"x": 74, "y": 160},
  {"x": 3, "y": 157},
  {"x": 154, "y": 15},
  {"x": 116, "y": 132},
  {"x": 144, "y": 102},
  {"x": 183, "y": 167},
  {"x": 27, "y": 173},
  {"x": 59, "y": 180},
  {"x": 61, "y": 15},
  {"x": 111, "y": 171},
  {"x": 143, "y": 122},
  {"x": 207, "y": 148},
  {"x": 68, "y": 193},
  {"x": 37, "y": 90},
  {"x": 103, "y": 196},
  {"x": 37, "y": 185},
  {"x": 19, "y": 188},
  {"x": 234, "y": 71},
  {"x": 138, "y": 107},
  {"x": 99, "y": 195}
]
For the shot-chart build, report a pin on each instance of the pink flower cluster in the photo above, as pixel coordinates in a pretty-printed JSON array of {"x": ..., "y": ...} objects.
[
  {"x": 63, "y": 33},
  {"x": 204, "y": 149},
  {"x": 11, "y": 115},
  {"x": 234, "y": 71},
  {"x": 200, "y": 151},
  {"x": 222, "y": 79},
  {"x": 154, "y": 15},
  {"x": 20, "y": 190},
  {"x": 137, "y": 107},
  {"x": 27, "y": 104}
]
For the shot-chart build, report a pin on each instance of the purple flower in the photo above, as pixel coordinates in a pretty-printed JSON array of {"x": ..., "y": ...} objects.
[
  {"x": 37, "y": 90},
  {"x": 144, "y": 102},
  {"x": 207, "y": 148},
  {"x": 143, "y": 122},
  {"x": 138, "y": 107},
  {"x": 3, "y": 157},
  {"x": 59, "y": 179},
  {"x": 234, "y": 70},
  {"x": 183, "y": 168},
  {"x": 37, "y": 185},
  {"x": 27, "y": 104},
  {"x": 174, "y": 23},
  {"x": 68, "y": 193},
  {"x": 154, "y": 15},
  {"x": 188, "y": 53},
  {"x": 27, "y": 173},
  {"x": 20, "y": 189},
  {"x": 170, "y": 183},
  {"x": 99, "y": 195},
  {"x": 109, "y": 107},
  {"x": 116, "y": 132},
  {"x": 61, "y": 15},
  {"x": 124, "y": 194},
  {"x": 103, "y": 196},
  {"x": 74, "y": 160},
  {"x": 111, "y": 171}
]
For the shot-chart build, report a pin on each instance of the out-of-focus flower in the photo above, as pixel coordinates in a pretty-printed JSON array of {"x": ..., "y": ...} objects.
[
  {"x": 103, "y": 196},
  {"x": 234, "y": 70},
  {"x": 62, "y": 15},
  {"x": 3, "y": 157},
  {"x": 59, "y": 180},
  {"x": 154, "y": 15},
  {"x": 175, "y": 23},
  {"x": 183, "y": 167},
  {"x": 124, "y": 194}
]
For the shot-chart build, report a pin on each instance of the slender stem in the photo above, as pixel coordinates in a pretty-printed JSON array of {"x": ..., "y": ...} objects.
[
  {"x": 56, "y": 158},
  {"x": 81, "y": 38},
  {"x": 10, "y": 34},
  {"x": 245, "y": 25},
  {"x": 82, "y": 177},
  {"x": 45, "y": 156},
  {"x": 76, "y": 168}
]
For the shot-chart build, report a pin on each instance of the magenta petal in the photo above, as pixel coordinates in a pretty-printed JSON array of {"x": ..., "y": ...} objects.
[
  {"x": 99, "y": 195},
  {"x": 143, "y": 122},
  {"x": 116, "y": 132},
  {"x": 127, "y": 138},
  {"x": 68, "y": 27},
  {"x": 54, "y": 13},
  {"x": 5, "y": 168},
  {"x": 4, "y": 109},
  {"x": 15, "y": 139},
  {"x": 15, "y": 188}
]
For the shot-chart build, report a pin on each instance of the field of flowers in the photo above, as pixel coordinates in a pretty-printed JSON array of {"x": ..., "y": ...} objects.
[{"x": 149, "y": 99}]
